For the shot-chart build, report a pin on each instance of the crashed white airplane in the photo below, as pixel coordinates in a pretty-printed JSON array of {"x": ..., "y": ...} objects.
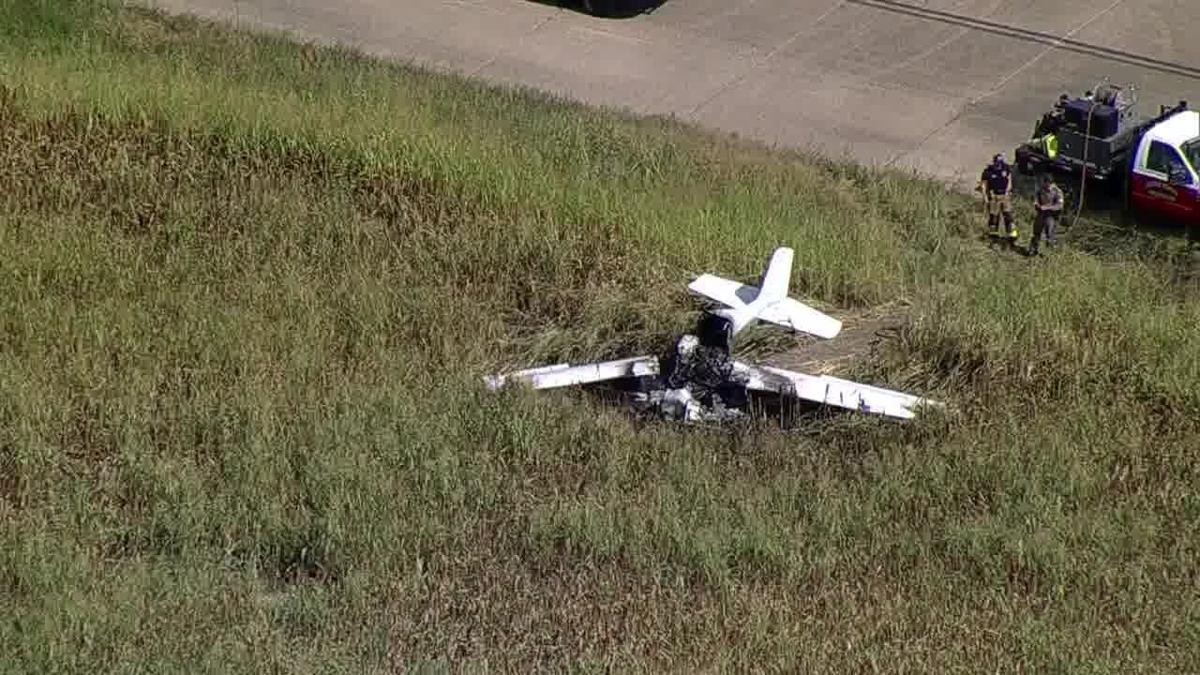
[{"x": 700, "y": 380}]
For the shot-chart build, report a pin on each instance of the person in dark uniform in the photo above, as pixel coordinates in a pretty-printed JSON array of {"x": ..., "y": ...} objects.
[
  {"x": 1048, "y": 202},
  {"x": 996, "y": 184}
]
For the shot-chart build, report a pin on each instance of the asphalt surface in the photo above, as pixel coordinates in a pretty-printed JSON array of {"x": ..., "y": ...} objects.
[{"x": 935, "y": 85}]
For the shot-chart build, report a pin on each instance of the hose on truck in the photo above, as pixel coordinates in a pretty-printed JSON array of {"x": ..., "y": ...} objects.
[{"x": 1087, "y": 135}]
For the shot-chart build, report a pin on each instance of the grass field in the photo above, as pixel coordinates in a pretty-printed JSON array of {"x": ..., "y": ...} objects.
[{"x": 249, "y": 288}]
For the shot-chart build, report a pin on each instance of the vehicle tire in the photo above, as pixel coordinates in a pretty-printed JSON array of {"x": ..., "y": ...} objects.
[
  {"x": 1070, "y": 195},
  {"x": 1126, "y": 183},
  {"x": 1025, "y": 164},
  {"x": 600, "y": 7}
]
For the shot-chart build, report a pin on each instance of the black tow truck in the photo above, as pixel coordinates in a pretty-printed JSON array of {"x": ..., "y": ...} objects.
[{"x": 1152, "y": 165}]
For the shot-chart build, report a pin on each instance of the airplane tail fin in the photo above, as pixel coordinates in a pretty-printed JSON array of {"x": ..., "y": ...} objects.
[
  {"x": 768, "y": 302},
  {"x": 775, "y": 281}
]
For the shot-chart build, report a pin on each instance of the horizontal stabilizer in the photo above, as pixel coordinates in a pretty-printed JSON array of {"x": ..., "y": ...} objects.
[
  {"x": 833, "y": 391},
  {"x": 787, "y": 312},
  {"x": 725, "y": 291},
  {"x": 566, "y": 375},
  {"x": 800, "y": 317}
]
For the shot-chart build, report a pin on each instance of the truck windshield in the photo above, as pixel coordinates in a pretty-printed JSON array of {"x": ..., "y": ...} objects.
[{"x": 1191, "y": 150}]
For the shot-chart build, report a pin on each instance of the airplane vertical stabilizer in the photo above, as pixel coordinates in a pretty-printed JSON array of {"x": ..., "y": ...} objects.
[
  {"x": 778, "y": 276},
  {"x": 769, "y": 302}
]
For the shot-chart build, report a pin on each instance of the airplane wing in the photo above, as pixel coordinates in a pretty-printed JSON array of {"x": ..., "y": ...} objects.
[
  {"x": 833, "y": 391},
  {"x": 566, "y": 375}
]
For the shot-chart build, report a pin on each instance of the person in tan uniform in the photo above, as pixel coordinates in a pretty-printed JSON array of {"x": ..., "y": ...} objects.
[{"x": 1048, "y": 202}]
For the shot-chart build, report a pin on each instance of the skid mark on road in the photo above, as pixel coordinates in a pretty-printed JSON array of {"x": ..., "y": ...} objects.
[
  {"x": 492, "y": 61},
  {"x": 1064, "y": 42},
  {"x": 962, "y": 32},
  {"x": 759, "y": 63},
  {"x": 976, "y": 100}
]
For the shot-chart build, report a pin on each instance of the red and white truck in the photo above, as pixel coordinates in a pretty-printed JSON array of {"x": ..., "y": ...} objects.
[{"x": 1153, "y": 164}]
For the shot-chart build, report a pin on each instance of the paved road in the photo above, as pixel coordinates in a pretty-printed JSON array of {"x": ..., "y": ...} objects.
[{"x": 936, "y": 85}]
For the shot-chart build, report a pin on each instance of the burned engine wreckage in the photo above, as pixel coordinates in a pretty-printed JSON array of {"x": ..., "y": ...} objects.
[{"x": 700, "y": 381}]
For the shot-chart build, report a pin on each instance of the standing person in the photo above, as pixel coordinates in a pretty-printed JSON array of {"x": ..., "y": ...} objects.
[
  {"x": 1048, "y": 202},
  {"x": 996, "y": 183}
]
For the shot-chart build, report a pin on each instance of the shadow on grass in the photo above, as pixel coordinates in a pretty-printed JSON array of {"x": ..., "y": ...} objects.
[
  {"x": 763, "y": 411},
  {"x": 611, "y": 9}
]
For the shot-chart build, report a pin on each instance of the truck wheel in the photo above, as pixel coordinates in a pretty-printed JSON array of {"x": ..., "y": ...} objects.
[
  {"x": 597, "y": 7},
  {"x": 606, "y": 8},
  {"x": 1030, "y": 164}
]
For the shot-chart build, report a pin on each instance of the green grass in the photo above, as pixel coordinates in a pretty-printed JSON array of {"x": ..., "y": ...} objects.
[{"x": 249, "y": 291}]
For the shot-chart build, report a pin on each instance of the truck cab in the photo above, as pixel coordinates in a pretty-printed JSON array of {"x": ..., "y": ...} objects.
[{"x": 1165, "y": 172}]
